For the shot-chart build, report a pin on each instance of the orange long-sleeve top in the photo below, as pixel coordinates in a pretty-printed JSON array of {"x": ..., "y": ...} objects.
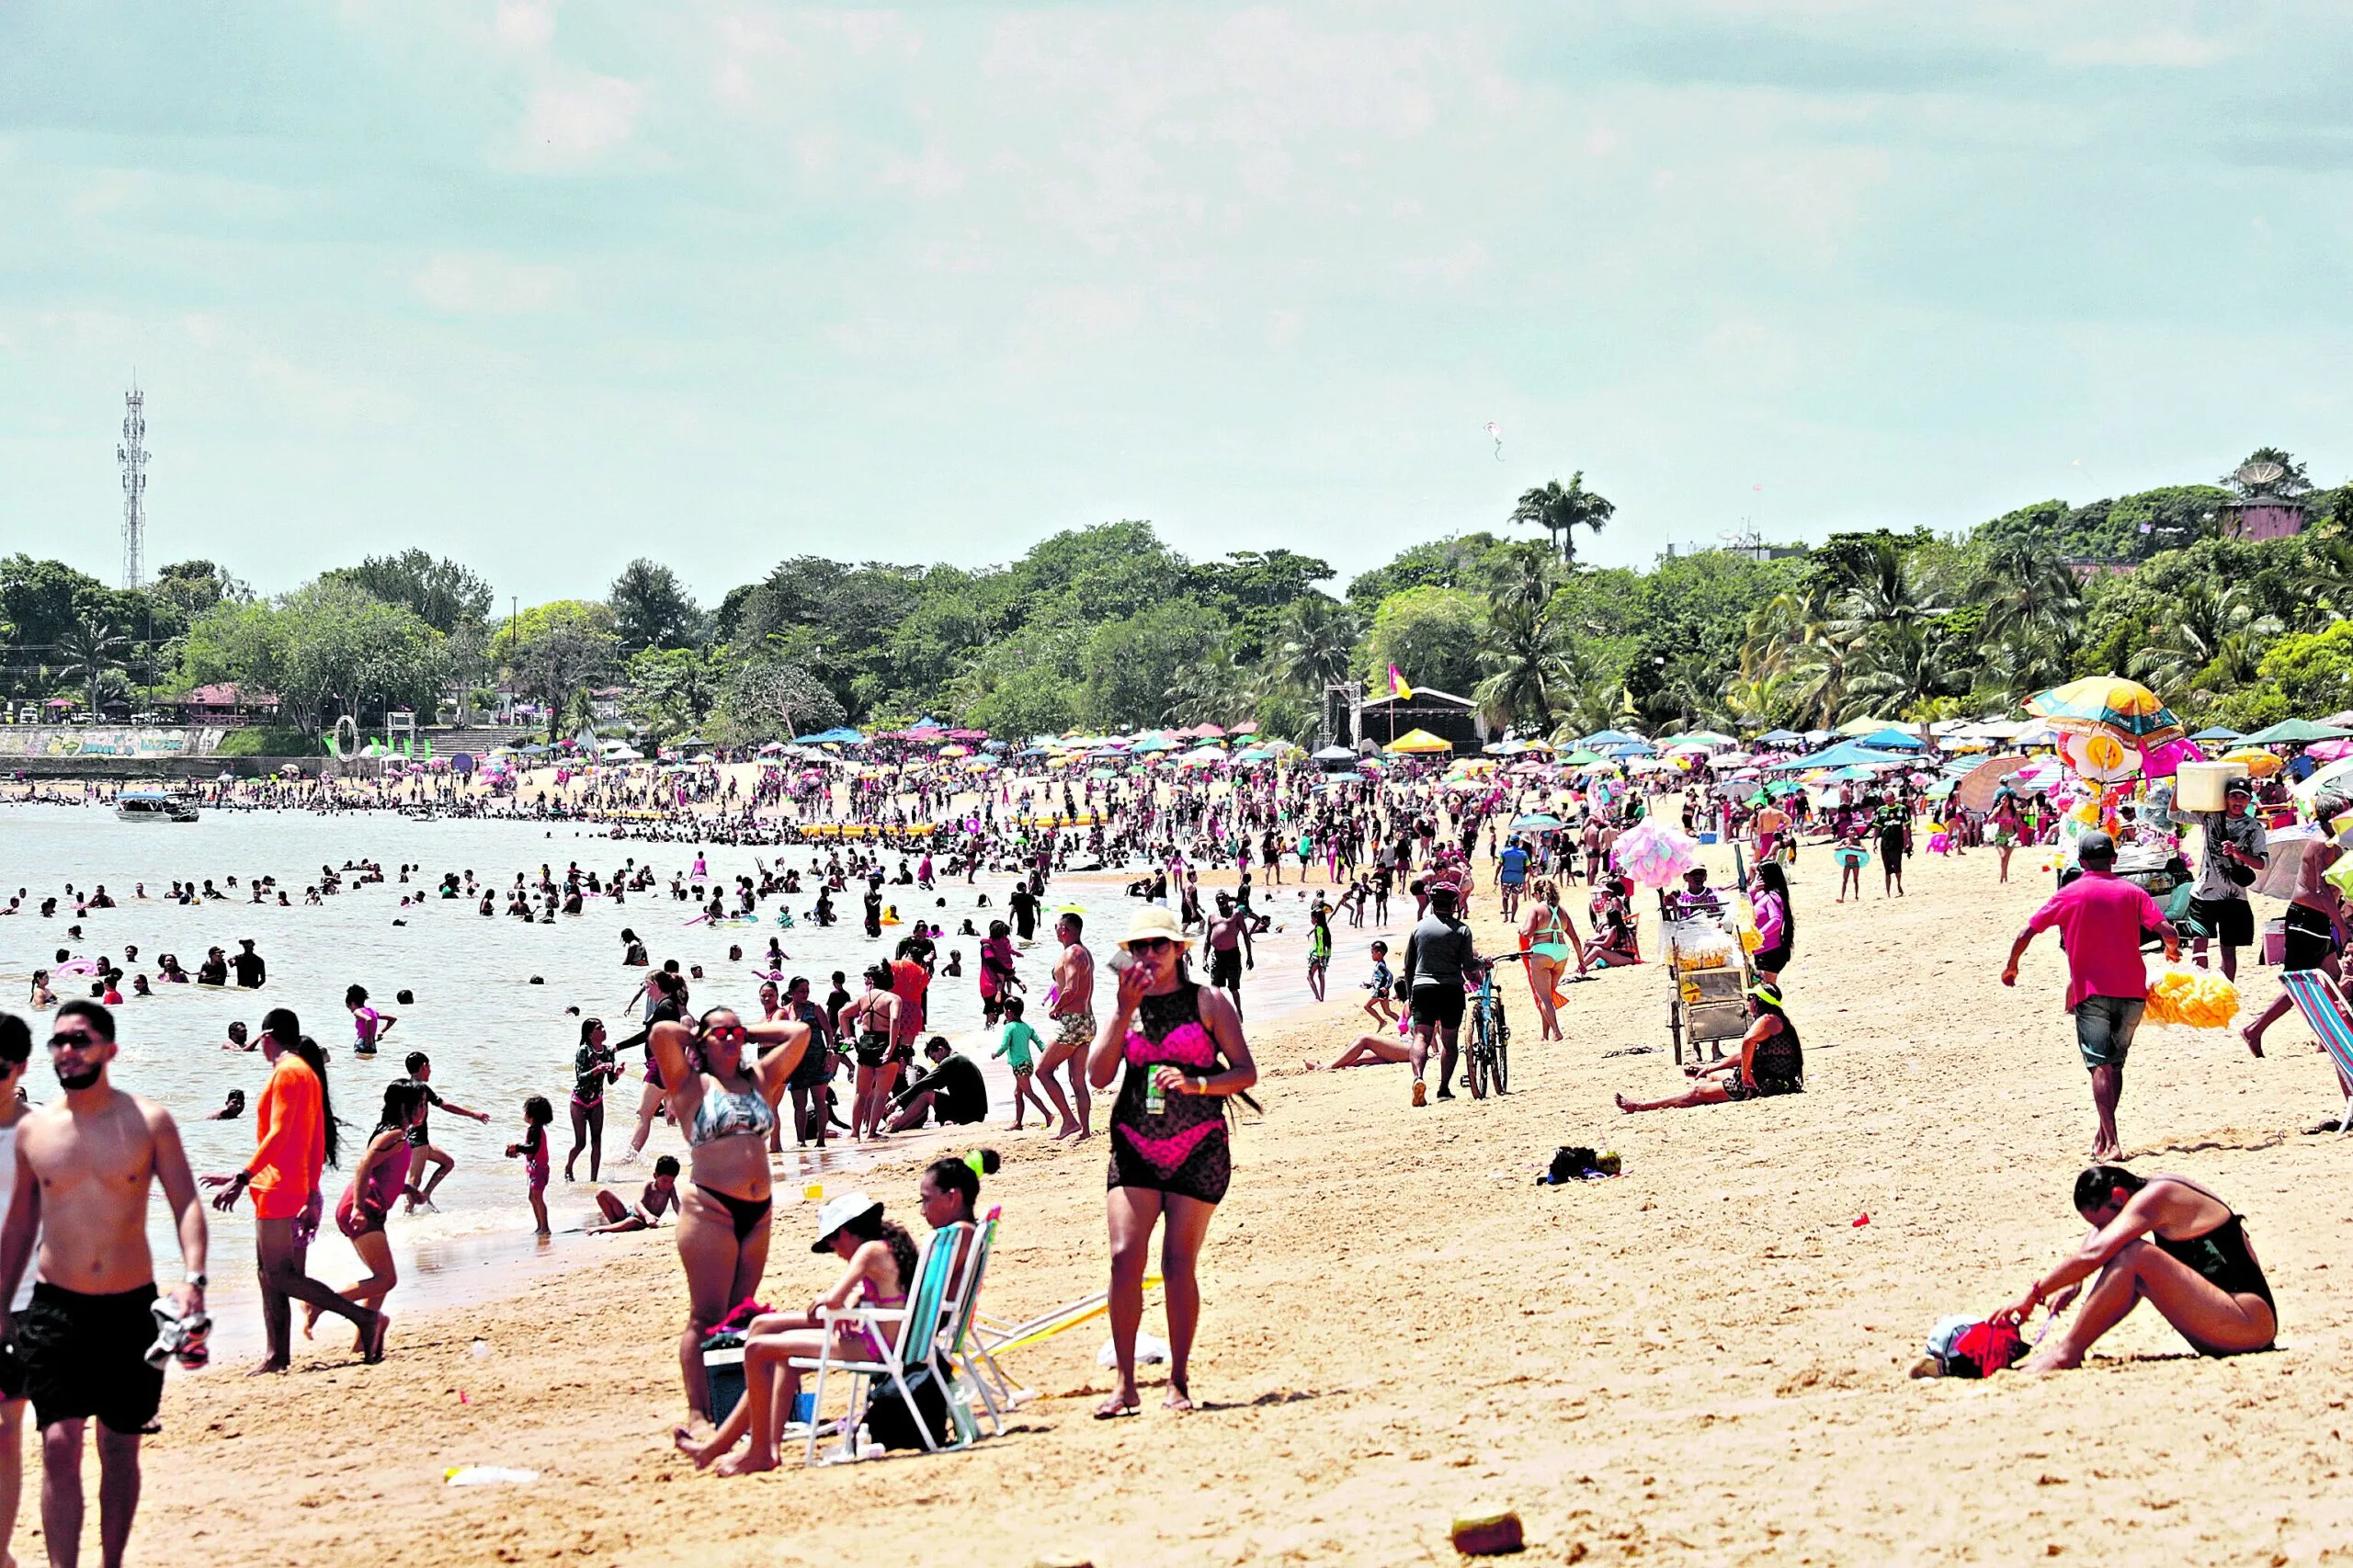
[{"x": 292, "y": 1140}]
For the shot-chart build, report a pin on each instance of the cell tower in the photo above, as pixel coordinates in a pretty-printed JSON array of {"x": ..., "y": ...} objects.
[{"x": 132, "y": 455}]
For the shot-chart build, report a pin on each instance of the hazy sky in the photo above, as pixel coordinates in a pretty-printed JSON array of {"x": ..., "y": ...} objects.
[{"x": 545, "y": 287}]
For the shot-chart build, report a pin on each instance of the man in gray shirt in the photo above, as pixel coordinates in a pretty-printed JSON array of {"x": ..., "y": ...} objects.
[
  {"x": 2231, "y": 854},
  {"x": 1439, "y": 955}
]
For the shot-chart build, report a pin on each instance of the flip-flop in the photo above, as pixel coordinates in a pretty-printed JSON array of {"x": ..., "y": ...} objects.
[{"x": 1112, "y": 1409}]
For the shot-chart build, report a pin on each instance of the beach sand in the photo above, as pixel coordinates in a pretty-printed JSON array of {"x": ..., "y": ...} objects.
[{"x": 1702, "y": 1361}]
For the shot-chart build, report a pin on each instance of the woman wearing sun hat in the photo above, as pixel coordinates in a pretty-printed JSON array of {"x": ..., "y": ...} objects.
[
  {"x": 1182, "y": 1047},
  {"x": 881, "y": 1266},
  {"x": 1770, "y": 1062}
]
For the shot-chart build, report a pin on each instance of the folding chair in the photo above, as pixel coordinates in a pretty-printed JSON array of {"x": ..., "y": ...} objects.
[
  {"x": 909, "y": 1336},
  {"x": 2322, "y": 1007}
]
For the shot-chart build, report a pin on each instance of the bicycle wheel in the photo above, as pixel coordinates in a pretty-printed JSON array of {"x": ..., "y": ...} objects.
[
  {"x": 1500, "y": 1070},
  {"x": 1476, "y": 1063}
]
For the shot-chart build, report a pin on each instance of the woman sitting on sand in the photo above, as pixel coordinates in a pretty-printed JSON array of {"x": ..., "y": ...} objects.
[
  {"x": 2164, "y": 1240},
  {"x": 880, "y": 1269},
  {"x": 725, "y": 1106},
  {"x": 1770, "y": 1062}
]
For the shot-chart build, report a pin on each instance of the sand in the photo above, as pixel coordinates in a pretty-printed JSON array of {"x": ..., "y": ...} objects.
[{"x": 1702, "y": 1361}]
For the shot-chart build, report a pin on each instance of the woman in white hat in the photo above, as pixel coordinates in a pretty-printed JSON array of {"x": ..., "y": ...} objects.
[
  {"x": 880, "y": 1259},
  {"x": 1182, "y": 1046}
]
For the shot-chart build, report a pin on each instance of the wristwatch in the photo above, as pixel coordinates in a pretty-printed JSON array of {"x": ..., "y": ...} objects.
[{"x": 196, "y": 1279}]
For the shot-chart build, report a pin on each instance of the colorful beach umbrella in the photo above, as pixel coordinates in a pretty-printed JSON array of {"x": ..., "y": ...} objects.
[
  {"x": 1419, "y": 743},
  {"x": 2125, "y": 707}
]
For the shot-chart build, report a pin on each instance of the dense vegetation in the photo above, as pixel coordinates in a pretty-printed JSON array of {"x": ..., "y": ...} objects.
[{"x": 1104, "y": 627}]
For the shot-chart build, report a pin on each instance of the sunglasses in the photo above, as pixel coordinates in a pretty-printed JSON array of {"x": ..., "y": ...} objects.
[
  {"x": 727, "y": 1034},
  {"x": 1150, "y": 945},
  {"x": 75, "y": 1041}
]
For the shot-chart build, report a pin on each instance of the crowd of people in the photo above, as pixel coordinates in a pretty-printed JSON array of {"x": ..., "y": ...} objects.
[{"x": 1164, "y": 1040}]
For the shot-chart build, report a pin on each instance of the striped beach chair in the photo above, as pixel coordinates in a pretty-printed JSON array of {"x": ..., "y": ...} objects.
[{"x": 2322, "y": 1007}]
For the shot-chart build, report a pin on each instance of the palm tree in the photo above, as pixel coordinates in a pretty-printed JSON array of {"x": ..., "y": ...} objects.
[
  {"x": 1523, "y": 659},
  {"x": 91, "y": 647},
  {"x": 2203, "y": 630},
  {"x": 1561, "y": 510},
  {"x": 2030, "y": 599},
  {"x": 1313, "y": 645}
]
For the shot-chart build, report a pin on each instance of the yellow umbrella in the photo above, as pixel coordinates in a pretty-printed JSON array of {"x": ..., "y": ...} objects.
[
  {"x": 2126, "y": 708},
  {"x": 1419, "y": 743},
  {"x": 2259, "y": 763}
]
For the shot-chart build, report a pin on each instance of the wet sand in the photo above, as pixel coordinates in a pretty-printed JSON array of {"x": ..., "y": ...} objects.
[{"x": 1702, "y": 1361}]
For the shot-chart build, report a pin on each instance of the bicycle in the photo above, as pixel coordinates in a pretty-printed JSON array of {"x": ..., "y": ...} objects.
[{"x": 1488, "y": 1053}]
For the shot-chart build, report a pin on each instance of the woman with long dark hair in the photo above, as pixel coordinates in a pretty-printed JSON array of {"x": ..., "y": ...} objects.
[
  {"x": 377, "y": 1181},
  {"x": 593, "y": 1067},
  {"x": 296, "y": 1138},
  {"x": 1776, "y": 920},
  {"x": 1182, "y": 1048}
]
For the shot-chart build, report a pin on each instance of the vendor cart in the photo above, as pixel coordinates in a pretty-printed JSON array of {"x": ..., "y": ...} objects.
[{"x": 1708, "y": 976}]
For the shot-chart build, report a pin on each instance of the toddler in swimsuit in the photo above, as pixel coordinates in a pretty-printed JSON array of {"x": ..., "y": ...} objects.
[{"x": 538, "y": 1115}]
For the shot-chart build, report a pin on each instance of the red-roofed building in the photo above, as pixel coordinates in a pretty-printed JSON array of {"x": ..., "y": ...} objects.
[{"x": 226, "y": 702}]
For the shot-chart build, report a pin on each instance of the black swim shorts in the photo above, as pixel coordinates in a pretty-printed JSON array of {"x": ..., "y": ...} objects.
[
  {"x": 88, "y": 1355},
  {"x": 1439, "y": 1005},
  {"x": 2228, "y": 920},
  {"x": 1225, "y": 967}
]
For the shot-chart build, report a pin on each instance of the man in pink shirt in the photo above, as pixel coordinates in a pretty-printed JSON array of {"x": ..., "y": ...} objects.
[{"x": 2100, "y": 918}]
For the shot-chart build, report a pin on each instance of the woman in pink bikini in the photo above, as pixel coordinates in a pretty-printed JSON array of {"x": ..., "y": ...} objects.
[
  {"x": 376, "y": 1183},
  {"x": 880, "y": 1258},
  {"x": 1182, "y": 1046}
]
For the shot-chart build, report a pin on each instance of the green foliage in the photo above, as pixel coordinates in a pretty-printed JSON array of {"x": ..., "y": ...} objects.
[
  {"x": 327, "y": 649},
  {"x": 1431, "y": 634},
  {"x": 653, "y": 609},
  {"x": 2312, "y": 672},
  {"x": 259, "y": 740},
  {"x": 442, "y": 594}
]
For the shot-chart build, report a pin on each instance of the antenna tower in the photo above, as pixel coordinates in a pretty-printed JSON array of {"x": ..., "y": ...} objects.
[{"x": 132, "y": 455}]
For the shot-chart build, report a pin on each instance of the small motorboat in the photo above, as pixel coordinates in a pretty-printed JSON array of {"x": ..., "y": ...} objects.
[{"x": 154, "y": 805}]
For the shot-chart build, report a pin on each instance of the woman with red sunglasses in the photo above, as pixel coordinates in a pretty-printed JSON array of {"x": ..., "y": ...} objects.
[{"x": 724, "y": 1098}]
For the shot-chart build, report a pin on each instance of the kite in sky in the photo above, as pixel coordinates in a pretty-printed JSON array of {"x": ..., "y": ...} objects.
[{"x": 1497, "y": 432}]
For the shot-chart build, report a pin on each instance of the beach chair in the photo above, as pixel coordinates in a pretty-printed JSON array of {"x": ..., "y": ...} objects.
[
  {"x": 910, "y": 1339},
  {"x": 960, "y": 1344},
  {"x": 2322, "y": 1007}
]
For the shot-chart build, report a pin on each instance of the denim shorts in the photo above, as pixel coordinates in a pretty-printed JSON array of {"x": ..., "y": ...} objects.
[{"x": 2104, "y": 1026}]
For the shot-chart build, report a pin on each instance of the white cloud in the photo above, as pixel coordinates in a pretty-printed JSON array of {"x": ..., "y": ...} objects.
[
  {"x": 2165, "y": 48},
  {"x": 475, "y": 284},
  {"x": 525, "y": 25},
  {"x": 577, "y": 115}
]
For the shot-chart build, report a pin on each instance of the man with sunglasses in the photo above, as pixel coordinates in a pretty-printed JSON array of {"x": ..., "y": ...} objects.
[{"x": 84, "y": 1166}]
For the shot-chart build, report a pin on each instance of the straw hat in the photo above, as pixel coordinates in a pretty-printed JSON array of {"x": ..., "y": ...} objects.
[
  {"x": 847, "y": 1209},
  {"x": 1152, "y": 921}
]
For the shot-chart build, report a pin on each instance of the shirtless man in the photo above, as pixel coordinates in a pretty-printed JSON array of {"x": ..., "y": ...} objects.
[
  {"x": 1229, "y": 938},
  {"x": 84, "y": 1166},
  {"x": 1074, "y": 1029}
]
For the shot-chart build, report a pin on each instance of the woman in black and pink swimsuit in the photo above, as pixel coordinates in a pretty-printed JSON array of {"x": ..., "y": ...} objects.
[{"x": 1182, "y": 1046}]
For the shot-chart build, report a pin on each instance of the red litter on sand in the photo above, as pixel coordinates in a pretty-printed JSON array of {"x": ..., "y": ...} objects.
[{"x": 1863, "y": 1219}]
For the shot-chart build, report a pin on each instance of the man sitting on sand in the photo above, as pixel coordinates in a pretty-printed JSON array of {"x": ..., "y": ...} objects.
[{"x": 2164, "y": 1240}]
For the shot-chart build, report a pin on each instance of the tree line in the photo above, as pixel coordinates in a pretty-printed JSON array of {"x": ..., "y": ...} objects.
[{"x": 1107, "y": 627}]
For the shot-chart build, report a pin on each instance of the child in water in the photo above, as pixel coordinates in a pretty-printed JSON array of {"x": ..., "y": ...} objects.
[{"x": 533, "y": 1151}]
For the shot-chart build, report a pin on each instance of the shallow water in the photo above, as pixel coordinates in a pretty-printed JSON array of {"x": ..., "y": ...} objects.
[{"x": 494, "y": 1038}]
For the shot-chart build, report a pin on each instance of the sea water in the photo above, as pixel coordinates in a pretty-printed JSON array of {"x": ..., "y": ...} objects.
[{"x": 495, "y": 1035}]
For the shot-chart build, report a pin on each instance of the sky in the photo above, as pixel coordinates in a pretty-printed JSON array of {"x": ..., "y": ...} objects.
[{"x": 549, "y": 285}]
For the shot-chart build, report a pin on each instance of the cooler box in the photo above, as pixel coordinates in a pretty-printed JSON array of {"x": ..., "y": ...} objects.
[
  {"x": 2275, "y": 941},
  {"x": 2202, "y": 786},
  {"x": 1707, "y": 839},
  {"x": 723, "y": 1369}
]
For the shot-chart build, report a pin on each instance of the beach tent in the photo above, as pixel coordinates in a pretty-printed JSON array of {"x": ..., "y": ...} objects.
[
  {"x": 2293, "y": 731},
  {"x": 2215, "y": 732},
  {"x": 1419, "y": 743},
  {"x": 1846, "y": 754},
  {"x": 1891, "y": 740},
  {"x": 1336, "y": 754}
]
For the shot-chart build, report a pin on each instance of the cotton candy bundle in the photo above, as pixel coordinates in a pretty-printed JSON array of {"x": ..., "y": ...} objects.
[
  {"x": 2192, "y": 1000},
  {"x": 1654, "y": 855}
]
